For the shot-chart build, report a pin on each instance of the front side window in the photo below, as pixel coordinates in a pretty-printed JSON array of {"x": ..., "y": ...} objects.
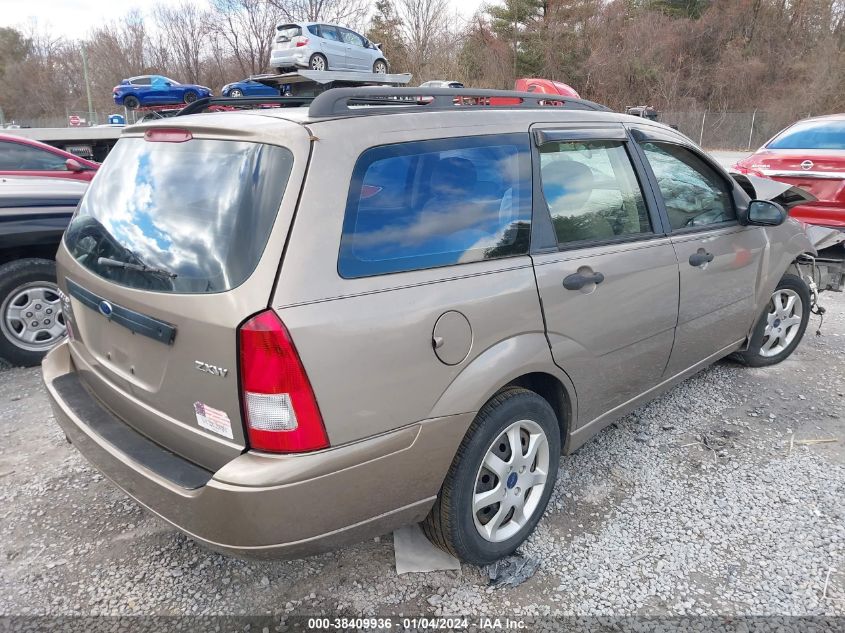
[
  {"x": 592, "y": 191},
  {"x": 437, "y": 203},
  {"x": 694, "y": 194},
  {"x": 20, "y": 157},
  {"x": 352, "y": 38}
]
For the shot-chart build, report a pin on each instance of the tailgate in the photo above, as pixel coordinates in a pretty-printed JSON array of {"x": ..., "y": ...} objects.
[{"x": 175, "y": 245}]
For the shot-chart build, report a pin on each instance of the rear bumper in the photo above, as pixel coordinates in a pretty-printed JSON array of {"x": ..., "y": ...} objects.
[
  {"x": 290, "y": 57},
  {"x": 257, "y": 504}
]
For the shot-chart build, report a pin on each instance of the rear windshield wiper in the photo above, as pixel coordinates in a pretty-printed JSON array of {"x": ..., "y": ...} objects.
[{"x": 107, "y": 261}]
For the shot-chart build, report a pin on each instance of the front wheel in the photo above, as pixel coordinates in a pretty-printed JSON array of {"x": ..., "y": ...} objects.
[
  {"x": 31, "y": 318},
  {"x": 380, "y": 67},
  {"x": 781, "y": 326},
  {"x": 500, "y": 480}
]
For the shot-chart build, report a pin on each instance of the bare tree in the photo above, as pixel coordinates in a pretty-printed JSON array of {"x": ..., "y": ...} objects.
[
  {"x": 183, "y": 29},
  {"x": 246, "y": 27},
  {"x": 423, "y": 27},
  {"x": 350, "y": 13}
]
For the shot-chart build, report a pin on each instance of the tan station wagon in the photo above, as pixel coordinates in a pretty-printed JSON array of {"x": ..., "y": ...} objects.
[{"x": 295, "y": 327}]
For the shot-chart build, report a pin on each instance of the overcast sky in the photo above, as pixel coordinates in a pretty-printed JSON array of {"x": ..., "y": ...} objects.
[{"x": 74, "y": 18}]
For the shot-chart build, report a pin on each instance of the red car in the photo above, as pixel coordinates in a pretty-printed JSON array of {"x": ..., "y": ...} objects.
[
  {"x": 24, "y": 157},
  {"x": 809, "y": 154},
  {"x": 533, "y": 84},
  {"x": 546, "y": 86}
]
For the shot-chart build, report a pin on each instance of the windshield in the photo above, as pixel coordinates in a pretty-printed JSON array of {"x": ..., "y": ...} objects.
[
  {"x": 811, "y": 135},
  {"x": 190, "y": 217}
]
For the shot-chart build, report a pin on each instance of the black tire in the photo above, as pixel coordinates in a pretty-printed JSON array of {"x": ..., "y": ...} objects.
[
  {"x": 190, "y": 96},
  {"x": 380, "y": 67},
  {"x": 316, "y": 60},
  {"x": 13, "y": 276},
  {"x": 131, "y": 102},
  {"x": 753, "y": 356},
  {"x": 235, "y": 93},
  {"x": 451, "y": 523}
]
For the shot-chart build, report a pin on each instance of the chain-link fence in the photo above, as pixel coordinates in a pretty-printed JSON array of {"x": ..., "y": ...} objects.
[
  {"x": 72, "y": 118},
  {"x": 730, "y": 130}
]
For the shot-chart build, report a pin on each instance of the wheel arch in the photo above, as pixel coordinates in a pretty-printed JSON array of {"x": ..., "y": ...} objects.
[{"x": 520, "y": 361}]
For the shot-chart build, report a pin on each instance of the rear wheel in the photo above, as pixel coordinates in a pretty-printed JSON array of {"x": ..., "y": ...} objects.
[
  {"x": 781, "y": 326},
  {"x": 31, "y": 318},
  {"x": 318, "y": 62},
  {"x": 380, "y": 67},
  {"x": 190, "y": 96},
  {"x": 131, "y": 102},
  {"x": 500, "y": 480}
]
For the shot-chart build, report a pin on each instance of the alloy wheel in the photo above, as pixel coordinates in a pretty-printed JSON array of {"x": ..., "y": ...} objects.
[
  {"x": 783, "y": 321},
  {"x": 32, "y": 316},
  {"x": 318, "y": 63},
  {"x": 510, "y": 481}
]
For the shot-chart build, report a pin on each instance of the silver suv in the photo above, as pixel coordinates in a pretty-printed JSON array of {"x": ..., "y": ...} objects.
[
  {"x": 324, "y": 47},
  {"x": 291, "y": 328}
]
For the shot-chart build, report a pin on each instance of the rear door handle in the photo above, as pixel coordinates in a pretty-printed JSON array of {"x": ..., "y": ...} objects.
[
  {"x": 700, "y": 258},
  {"x": 576, "y": 281}
]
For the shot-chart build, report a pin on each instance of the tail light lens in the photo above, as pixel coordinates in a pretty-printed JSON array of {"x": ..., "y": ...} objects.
[
  {"x": 301, "y": 41},
  {"x": 279, "y": 405}
]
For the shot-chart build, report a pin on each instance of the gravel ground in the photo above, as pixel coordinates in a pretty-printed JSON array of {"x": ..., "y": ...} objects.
[{"x": 705, "y": 502}]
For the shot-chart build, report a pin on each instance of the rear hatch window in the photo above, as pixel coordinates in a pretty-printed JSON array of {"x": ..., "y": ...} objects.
[
  {"x": 190, "y": 217},
  {"x": 286, "y": 32}
]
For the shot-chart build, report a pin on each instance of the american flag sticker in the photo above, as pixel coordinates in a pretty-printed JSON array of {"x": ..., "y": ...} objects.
[{"x": 214, "y": 420}]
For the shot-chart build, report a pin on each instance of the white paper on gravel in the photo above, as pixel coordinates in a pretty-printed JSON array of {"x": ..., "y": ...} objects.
[{"x": 415, "y": 553}]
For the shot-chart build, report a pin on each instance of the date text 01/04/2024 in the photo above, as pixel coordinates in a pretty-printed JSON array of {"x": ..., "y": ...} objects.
[{"x": 415, "y": 624}]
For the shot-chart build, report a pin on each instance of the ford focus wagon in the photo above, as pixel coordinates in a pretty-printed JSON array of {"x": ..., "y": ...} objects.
[{"x": 292, "y": 328}]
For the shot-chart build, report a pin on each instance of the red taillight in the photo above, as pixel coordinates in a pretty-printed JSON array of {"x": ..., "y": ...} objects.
[
  {"x": 167, "y": 135},
  {"x": 302, "y": 41},
  {"x": 279, "y": 406}
]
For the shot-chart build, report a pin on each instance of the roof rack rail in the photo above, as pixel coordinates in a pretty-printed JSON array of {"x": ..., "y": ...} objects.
[
  {"x": 200, "y": 105},
  {"x": 336, "y": 101}
]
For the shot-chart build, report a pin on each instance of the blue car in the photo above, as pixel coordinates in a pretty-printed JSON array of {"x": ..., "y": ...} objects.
[
  {"x": 146, "y": 90},
  {"x": 249, "y": 88}
]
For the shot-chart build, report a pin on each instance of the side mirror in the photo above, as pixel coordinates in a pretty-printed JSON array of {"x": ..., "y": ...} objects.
[
  {"x": 765, "y": 213},
  {"x": 74, "y": 165}
]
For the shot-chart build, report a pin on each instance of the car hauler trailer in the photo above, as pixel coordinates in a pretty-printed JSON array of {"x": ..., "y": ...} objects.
[{"x": 310, "y": 83}]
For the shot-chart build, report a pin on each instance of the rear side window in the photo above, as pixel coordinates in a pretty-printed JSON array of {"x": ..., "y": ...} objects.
[
  {"x": 329, "y": 33},
  {"x": 591, "y": 191},
  {"x": 191, "y": 217},
  {"x": 811, "y": 135},
  {"x": 437, "y": 203}
]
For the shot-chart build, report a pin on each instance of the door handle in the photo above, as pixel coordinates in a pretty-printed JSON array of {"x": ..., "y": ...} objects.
[
  {"x": 576, "y": 281},
  {"x": 700, "y": 258}
]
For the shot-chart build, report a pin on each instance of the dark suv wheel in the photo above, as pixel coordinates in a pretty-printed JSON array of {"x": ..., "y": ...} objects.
[
  {"x": 31, "y": 319},
  {"x": 500, "y": 480}
]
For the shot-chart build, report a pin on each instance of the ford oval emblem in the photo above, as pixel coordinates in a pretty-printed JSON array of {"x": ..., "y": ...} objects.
[
  {"x": 807, "y": 164},
  {"x": 106, "y": 308}
]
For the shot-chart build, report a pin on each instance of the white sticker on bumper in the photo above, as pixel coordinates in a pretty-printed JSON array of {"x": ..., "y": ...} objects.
[{"x": 214, "y": 420}]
